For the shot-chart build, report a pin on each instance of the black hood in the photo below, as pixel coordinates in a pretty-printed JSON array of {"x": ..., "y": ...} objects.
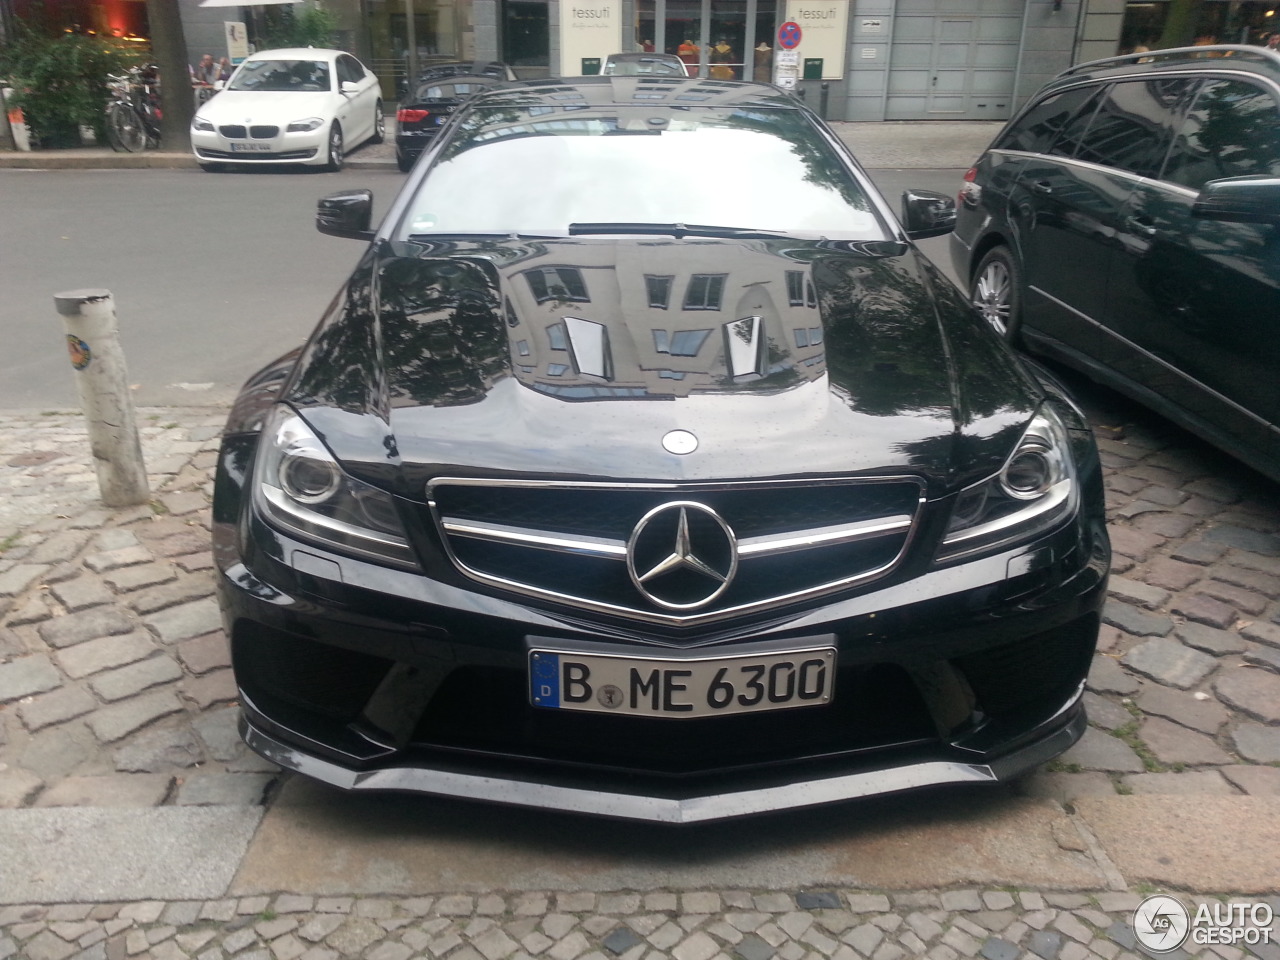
[{"x": 574, "y": 358}]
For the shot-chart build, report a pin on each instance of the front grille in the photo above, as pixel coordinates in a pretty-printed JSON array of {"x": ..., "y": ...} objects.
[
  {"x": 206, "y": 154},
  {"x": 590, "y": 545},
  {"x": 233, "y": 131},
  {"x": 261, "y": 132}
]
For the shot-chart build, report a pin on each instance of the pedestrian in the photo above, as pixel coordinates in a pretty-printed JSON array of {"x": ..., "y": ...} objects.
[
  {"x": 203, "y": 75},
  {"x": 225, "y": 69}
]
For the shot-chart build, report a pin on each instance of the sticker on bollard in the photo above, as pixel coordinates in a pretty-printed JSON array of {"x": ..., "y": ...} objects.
[{"x": 81, "y": 355}]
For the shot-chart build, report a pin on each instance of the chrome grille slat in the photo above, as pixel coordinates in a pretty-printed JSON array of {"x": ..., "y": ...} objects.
[{"x": 569, "y": 542}]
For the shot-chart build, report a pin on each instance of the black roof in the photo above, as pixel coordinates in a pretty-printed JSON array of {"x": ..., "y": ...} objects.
[{"x": 637, "y": 90}]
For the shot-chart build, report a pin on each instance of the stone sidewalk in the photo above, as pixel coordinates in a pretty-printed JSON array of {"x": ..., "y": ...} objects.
[
  {"x": 813, "y": 924},
  {"x": 118, "y": 751}
]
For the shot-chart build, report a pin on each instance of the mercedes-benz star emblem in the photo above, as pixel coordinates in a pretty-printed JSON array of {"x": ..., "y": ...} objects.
[{"x": 682, "y": 555}]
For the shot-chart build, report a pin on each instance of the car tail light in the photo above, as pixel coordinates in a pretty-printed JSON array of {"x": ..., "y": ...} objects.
[
  {"x": 971, "y": 175},
  {"x": 970, "y": 192},
  {"x": 411, "y": 116}
]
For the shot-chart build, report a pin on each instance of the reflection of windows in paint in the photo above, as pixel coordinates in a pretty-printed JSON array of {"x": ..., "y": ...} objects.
[
  {"x": 557, "y": 369},
  {"x": 705, "y": 291},
  {"x": 523, "y": 348},
  {"x": 802, "y": 337},
  {"x": 671, "y": 374},
  {"x": 556, "y": 335},
  {"x": 795, "y": 288},
  {"x": 661, "y": 342},
  {"x": 687, "y": 343},
  {"x": 811, "y": 337},
  {"x": 659, "y": 290},
  {"x": 815, "y": 336},
  {"x": 810, "y": 294},
  {"x": 557, "y": 283}
]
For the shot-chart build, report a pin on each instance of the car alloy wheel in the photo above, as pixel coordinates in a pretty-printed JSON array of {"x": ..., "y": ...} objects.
[
  {"x": 336, "y": 156},
  {"x": 379, "y": 124},
  {"x": 996, "y": 292}
]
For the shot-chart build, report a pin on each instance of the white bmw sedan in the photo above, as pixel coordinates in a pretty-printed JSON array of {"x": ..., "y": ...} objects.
[{"x": 303, "y": 105}]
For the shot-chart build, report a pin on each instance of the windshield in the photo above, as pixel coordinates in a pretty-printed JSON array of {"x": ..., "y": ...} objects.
[
  {"x": 277, "y": 76},
  {"x": 762, "y": 170}
]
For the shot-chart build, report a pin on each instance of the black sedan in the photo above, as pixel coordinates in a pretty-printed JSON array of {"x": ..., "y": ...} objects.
[
  {"x": 439, "y": 91},
  {"x": 657, "y": 485}
]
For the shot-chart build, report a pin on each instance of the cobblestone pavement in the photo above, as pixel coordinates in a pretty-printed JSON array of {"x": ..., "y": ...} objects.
[
  {"x": 115, "y": 691},
  {"x": 698, "y": 925}
]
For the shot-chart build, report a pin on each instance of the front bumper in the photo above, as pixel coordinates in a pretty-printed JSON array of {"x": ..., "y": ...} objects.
[
  {"x": 370, "y": 678},
  {"x": 1044, "y": 743},
  {"x": 303, "y": 147}
]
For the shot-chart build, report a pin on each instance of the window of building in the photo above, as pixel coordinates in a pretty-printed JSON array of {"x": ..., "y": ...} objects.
[
  {"x": 681, "y": 343},
  {"x": 557, "y": 283},
  {"x": 556, "y": 336},
  {"x": 795, "y": 288},
  {"x": 659, "y": 290},
  {"x": 557, "y": 369},
  {"x": 704, "y": 292}
]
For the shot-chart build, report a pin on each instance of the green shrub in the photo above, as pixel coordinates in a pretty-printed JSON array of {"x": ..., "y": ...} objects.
[
  {"x": 59, "y": 79},
  {"x": 287, "y": 26}
]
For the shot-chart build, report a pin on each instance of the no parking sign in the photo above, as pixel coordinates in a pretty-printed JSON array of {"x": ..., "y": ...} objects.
[{"x": 789, "y": 35}]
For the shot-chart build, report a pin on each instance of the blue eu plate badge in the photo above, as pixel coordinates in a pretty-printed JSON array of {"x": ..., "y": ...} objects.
[{"x": 544, "y": 679}]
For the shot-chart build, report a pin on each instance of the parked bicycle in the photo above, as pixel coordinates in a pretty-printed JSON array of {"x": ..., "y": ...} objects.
[{"x": 133, "y": 115}]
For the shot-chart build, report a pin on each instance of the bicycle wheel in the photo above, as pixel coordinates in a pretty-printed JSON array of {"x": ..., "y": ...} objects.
[{"x": 125, "y": 129}]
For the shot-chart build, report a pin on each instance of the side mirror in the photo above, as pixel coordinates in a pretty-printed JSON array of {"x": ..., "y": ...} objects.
[
  {"x": 348, "y": 214},
  {"x": 1240, "y": 200},
  {"x": 348, "y": 87},
  {"x": 927, "y": 214}
]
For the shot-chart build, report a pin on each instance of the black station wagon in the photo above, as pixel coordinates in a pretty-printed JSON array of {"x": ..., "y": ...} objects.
[
  {"x": 625, "y": 477},
  {"x": 1127, "y": 221}
]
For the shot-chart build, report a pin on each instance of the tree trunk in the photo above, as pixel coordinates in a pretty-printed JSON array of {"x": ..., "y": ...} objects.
[
  {"x": 169, "y": 48},
  {"x": 1180, "y": 26}
]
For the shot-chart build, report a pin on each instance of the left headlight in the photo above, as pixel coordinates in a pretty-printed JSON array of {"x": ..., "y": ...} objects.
[
  {"x": 1034, "y": 491},
  {"x": 200, "y": 123},
  {"x": 300, "y": 488},
  {"x": 304, "y": 126}
]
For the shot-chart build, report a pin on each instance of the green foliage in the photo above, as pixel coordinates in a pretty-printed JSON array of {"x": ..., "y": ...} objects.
[
  {"x": 310, "y": 26},
  {"x": 59, "y": 79}
]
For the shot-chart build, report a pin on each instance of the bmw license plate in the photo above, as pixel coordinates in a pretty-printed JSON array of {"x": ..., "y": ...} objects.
[
  {"x": 250, "y": 147},
  {"x": 705, "y": 687}
]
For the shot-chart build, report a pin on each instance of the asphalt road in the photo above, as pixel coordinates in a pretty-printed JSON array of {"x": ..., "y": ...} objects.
[{"x": 212, "y": 276}]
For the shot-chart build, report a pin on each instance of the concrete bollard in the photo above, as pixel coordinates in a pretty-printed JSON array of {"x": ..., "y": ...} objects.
[{"x": 94, "y": 343}]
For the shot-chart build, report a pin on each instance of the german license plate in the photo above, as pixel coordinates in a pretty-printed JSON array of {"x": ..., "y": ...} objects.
[
  {"x": 250, "y": 147},
  {"x": 704, "y": 687}
]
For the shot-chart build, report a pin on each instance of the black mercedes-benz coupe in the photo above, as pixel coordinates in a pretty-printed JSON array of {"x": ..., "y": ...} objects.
[{"x": 645, "y": 468}]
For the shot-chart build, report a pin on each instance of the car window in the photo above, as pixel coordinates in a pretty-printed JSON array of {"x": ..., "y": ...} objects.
[
  {"x": 757, "y": 169},
  {"x": 1037, "y": 129},
  {"x": 1133, "y": 125},
  {"x": 352, "y": 68},
  {"x": 1232, "y": 130},
  {"x": 278, "y": 76}
]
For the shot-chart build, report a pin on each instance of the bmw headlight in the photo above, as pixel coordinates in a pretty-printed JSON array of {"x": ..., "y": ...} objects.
[
  {"x": 200, "y": 123},
  {"x": 304, "y": 126},
  {"x": 301, "y": 489},
  {"x": 1034, "y": 491}
]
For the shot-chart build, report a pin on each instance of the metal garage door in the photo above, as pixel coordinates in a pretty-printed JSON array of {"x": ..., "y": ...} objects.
[{"x": 953, "y": 60}]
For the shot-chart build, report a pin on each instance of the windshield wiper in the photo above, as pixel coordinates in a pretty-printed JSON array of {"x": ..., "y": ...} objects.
[
  {"x": 677, "y": 230},
  {"x": 481, "y": 236}
]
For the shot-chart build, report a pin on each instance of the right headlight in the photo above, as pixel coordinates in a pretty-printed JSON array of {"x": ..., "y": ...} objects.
[
  {"x": 200, "y": 123},
  {"x": 1033, "y": 492},
  {"x": 300, "y": 488}
]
